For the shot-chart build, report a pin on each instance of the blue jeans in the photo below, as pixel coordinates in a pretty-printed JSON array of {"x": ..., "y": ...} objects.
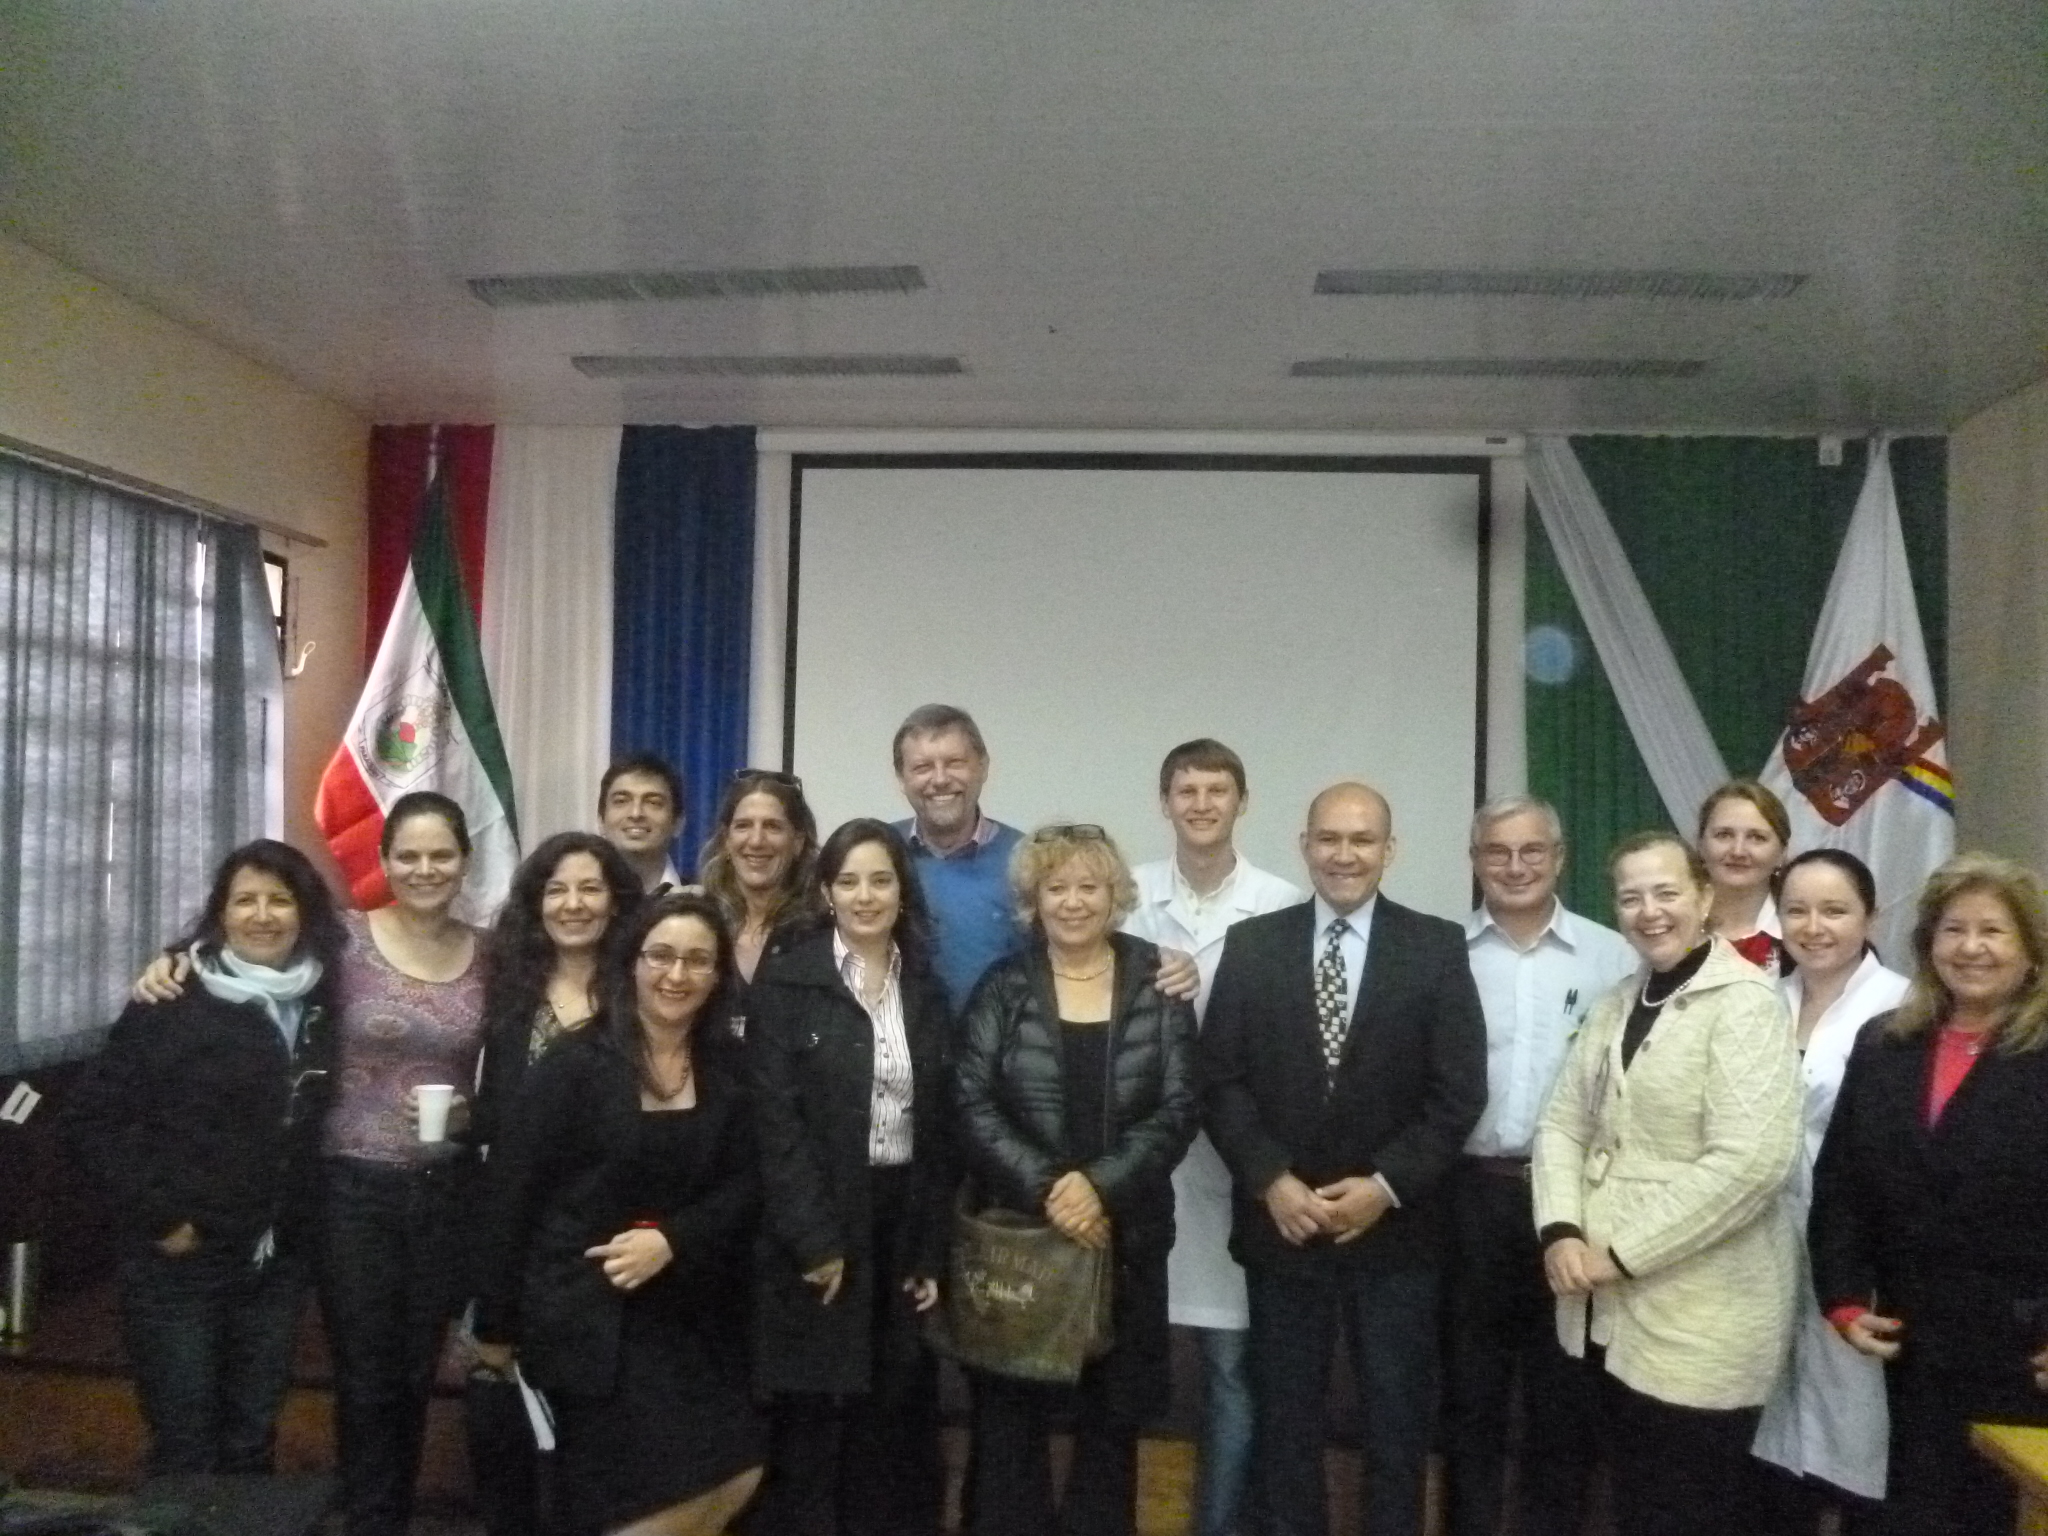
[
  {"x": 1223, "y": 1459},
  {"x": 1390, "y": 1319},
  {"x": 393, "y": 1271},
  {"x": 210, "y": 1336}
]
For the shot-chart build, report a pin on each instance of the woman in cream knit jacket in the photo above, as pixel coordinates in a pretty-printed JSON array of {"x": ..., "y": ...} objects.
[{"x": 1657, "y": 1170}]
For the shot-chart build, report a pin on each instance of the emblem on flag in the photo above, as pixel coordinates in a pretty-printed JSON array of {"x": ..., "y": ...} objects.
[
  {"x": 1865, "y": 731},
  {"x": 408, "y": 727}
]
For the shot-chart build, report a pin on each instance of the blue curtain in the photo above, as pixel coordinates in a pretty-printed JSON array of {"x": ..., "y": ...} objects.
[{"x": 683, "y": 626}]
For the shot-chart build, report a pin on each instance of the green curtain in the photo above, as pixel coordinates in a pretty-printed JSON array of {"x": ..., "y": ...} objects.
[{"x": 1734, "y": 540}]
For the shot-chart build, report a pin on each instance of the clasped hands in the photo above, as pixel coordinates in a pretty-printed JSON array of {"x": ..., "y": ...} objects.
[
  {"x": 1076, "y": 1211},
  {"x": 1346, "y": 1210},
  {"x": 1575, "y": 1267}
]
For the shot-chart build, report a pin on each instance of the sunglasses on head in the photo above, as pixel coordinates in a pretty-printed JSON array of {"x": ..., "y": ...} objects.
[
  {"x": 1070, "y": 832},
  {"x": 772, "y": 775}
]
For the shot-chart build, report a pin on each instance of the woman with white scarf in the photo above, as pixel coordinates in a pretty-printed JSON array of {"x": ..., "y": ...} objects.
[
  {"x": 201, "y": 1120},
  {"x": 1825, "y": 1423}
]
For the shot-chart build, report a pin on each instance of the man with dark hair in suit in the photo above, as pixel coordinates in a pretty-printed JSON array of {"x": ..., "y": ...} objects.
[{"x": 1344, "y": 1064}]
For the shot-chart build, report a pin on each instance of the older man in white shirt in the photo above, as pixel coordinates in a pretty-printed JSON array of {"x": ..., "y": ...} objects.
[
  {"x": 1188, "y": 903},
  {"x": 1538, "y": 968}
]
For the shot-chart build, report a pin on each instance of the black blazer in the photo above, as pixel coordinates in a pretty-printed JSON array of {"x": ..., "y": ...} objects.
[
  {"x": 560, "y": 1180},
  {"x": 811, "y": 1066},
  {"x": 195, "y": 1111},
  {"x": 1409, "y": 1087},
  {"x": 1945, "y": 1228}
]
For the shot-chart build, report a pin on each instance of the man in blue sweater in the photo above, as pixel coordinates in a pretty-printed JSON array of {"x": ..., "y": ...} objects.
[{"x": 962, "y": 857}]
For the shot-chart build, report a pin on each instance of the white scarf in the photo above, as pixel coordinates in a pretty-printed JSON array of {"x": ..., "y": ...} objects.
[{"x": 281, "y": 993}]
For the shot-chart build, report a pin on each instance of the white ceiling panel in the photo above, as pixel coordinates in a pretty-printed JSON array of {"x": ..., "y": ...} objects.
[{"x": 1120, "y": 210}]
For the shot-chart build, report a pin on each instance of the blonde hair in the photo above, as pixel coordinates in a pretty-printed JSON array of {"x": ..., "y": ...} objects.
[
  {"x": 2018, "y": 890},
  {"x": 1043, "y": 851}
]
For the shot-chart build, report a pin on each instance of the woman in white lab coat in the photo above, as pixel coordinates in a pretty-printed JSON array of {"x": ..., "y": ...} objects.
[{"x": 1824, "y": 1428}]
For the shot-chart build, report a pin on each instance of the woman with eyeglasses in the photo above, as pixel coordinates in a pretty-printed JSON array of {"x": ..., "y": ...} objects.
[
  {"x": 847, "y": 1051},
  {"x": 1075, "y": 1097},
  {"x": 393, "y": 1253},
  {"x": 200, "y": 1118},
  {"x": 623, "y": 1190},
  {"x": 758, "y": 862},
  {"x": 541, "y": 986}
]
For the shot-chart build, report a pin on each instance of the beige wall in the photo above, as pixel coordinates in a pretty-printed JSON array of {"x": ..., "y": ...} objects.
[
  {"x": 87, "y": 373},
  {"x": 1998, "y": 627}
]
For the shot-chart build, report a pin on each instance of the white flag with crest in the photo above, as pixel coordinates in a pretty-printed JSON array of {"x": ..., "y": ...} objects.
[{"x": 1863, "y": 761}]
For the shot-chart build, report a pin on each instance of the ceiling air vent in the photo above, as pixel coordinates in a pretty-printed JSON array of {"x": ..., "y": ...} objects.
[
  {"x": 859, "y": 364},
  {"x": 696, "y": 283},
  {"x": 1497, "y": 368},
  {"x": 1406, "y": 282}
]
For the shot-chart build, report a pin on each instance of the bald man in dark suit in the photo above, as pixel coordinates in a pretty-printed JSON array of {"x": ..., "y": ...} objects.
[{"x": 1344, "y": 1064}]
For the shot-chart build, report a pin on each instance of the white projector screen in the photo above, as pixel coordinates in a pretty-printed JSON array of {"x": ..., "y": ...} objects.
[{"x": 1324, "y": 618}]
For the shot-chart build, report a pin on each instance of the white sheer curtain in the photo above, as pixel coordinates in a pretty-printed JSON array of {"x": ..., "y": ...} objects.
[
  {"x": 547, "y": 617},
  {"x": 1668, "y": 728},
  {"x": 140, "y": 710}
]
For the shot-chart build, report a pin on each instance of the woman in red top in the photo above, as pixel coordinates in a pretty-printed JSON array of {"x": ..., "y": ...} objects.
[
  {"x": 1929, "y": 1229},
  {"x": 1744, "y": 835}
]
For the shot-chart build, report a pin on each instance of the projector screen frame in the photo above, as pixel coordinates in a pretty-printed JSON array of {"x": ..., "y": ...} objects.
[{"x": 1477, "y": 466}]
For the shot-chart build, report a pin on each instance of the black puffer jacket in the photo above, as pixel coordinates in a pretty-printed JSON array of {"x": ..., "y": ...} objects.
[{"x": 1010, "y": 1097}]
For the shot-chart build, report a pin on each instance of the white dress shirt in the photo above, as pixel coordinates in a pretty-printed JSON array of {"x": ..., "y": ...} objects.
[
  {"x": 1353, "y": 945},
  {"x": 1204, "y": 1286},
  {"x": 889, "y": 1097},
  {"x": 1534, "y": 1000}
]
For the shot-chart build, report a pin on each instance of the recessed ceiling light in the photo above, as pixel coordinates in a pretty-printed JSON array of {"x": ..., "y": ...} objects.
[
  {"x": 1412, "y": 282},
  {"x": 693, "y": 283},
  {"x": 859, "y": 364},
  {"x": 1497, "y": 368}
]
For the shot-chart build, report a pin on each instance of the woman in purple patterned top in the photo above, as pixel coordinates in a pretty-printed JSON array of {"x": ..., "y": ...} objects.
[{"x": 394, "y": 1257}]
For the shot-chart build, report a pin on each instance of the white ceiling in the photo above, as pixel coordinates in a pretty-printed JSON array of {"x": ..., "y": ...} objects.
[{"x": 1120, "y": 205}]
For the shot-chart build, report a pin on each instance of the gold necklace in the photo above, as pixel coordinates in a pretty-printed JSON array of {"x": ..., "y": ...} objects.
[{"x": 1070, "y": 976}]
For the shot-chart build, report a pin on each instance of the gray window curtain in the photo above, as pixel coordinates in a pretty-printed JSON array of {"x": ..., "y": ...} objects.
[{"x": 141, "y": 708}]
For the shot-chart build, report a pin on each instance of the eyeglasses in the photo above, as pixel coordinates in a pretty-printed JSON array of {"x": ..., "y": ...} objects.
[
  {"x": 694, "y": 962},
  {"x": 772, "y": 775},
  {"x": 1070, "y": 832},
  {"x": 1500, "y": 856}
]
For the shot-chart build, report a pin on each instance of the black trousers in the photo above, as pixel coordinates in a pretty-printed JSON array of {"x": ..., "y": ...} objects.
[
  {"x": 865, "y": 1465},
  {"x": 1013, "y": 1422},
  {"x": 1390, "y": 1318},
  {"x": 1500, "y": 1333},
  {"x": 1676, "y": 1471},
  {"x": 1784, "y": 1505},
  {"x": 393, "y": 1270}
]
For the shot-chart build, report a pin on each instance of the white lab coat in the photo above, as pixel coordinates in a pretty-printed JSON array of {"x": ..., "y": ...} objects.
[
  {"x": 1826, "y": 1416},
  {"x": 1204, "y": 1286}
]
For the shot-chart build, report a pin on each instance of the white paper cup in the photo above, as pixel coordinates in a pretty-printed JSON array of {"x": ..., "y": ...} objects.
[{"x": 434, "y": 1101}]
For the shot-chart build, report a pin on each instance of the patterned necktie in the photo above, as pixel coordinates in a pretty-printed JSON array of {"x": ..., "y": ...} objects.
[{"x": 1330, "y": 1012}]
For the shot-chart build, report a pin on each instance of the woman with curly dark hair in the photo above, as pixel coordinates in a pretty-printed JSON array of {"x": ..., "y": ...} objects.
[
  {"x": 759, "y": 862},
  {"x": 540, "y": 984}
]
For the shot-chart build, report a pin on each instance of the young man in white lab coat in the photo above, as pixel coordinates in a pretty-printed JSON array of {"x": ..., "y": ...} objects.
[{"x": 1188, "y": 903}]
